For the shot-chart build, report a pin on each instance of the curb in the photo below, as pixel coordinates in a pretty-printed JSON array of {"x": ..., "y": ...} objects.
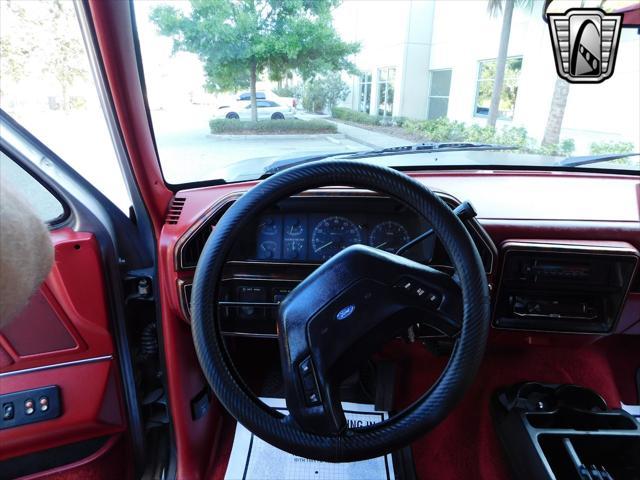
[
  {"x": 361, "y": 139},
  {"x": 362, "y": 142}
]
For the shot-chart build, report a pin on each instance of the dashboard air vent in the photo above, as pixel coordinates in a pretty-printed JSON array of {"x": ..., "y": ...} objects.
[
  {"x": 175, "y": 209},
  {"x": 193, "y": 246}
]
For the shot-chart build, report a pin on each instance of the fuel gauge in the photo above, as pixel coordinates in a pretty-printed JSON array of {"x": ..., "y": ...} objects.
[
  {"x": 269, "y": 238},
  {"x": 295, "y": 237}
]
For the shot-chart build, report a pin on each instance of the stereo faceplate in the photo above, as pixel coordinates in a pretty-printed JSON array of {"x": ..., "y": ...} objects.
[{"x": 563, "y": 287}]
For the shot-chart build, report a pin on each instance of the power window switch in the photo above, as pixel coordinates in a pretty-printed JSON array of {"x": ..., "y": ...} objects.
[
  {"x": 29, "y": 406},
  {"x": 8, "y": 411},
  {"x": 312, "y": 398}
]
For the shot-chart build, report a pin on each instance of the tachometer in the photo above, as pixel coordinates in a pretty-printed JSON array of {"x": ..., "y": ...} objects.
[
  {"x": 388, "y": 236},
  {"x": 332, "y": 235}
]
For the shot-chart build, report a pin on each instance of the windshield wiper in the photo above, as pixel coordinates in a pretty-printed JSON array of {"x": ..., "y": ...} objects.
[
  {"x": 430, "y": 147},
  {"x": 588, "y": 159},
  {"x": 283, "y": 164}
]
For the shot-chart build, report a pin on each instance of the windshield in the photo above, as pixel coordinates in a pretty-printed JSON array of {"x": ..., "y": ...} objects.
[{"x": 235, "y": 86}]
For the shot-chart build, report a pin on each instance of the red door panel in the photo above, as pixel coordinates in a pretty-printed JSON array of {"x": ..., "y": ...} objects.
[{"x": 62, "y": 338}]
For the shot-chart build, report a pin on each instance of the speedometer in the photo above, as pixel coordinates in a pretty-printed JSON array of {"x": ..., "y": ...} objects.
[
  {"x": 388, "y": 236},
  {"x": 333, "y": 234}
]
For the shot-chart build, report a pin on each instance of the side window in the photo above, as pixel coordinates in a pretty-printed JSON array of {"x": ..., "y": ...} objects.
[
  {"x": 247, "y": 96},
  {"x": 262, "y": 104},
  {"x": 48, "y": 87},
  {"x": 44, "y": 203}
]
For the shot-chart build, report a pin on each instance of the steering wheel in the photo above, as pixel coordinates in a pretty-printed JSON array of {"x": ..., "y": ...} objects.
[{"x": 341, "y": 314}]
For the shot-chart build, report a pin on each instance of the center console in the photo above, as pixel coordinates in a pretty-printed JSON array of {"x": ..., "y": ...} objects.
[
  {"x": 574, "y": 288},
  {"x": 565, "y": 432}
]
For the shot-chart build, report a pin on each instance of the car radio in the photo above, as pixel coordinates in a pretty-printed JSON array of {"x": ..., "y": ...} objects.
[{"x": 560, "y": 287}]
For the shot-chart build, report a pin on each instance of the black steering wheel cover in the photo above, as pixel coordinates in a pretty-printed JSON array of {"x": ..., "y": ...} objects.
[{"x": 426, "y": 412}]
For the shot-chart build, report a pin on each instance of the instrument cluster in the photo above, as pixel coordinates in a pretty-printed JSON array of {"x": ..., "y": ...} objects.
[{"x": 316, "y": 237}]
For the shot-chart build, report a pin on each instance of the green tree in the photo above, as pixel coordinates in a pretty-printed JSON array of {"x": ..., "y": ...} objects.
[
  {"x": 556, "y": 112},
  {"x": 43, "y": 39},
  {"x": 505, "y": 7},
  {"x": 15, "y": 49},
  {"x": 239, "y": 40}
]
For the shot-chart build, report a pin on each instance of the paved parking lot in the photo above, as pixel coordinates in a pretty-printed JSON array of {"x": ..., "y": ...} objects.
[{"x": 189, "y": 152}]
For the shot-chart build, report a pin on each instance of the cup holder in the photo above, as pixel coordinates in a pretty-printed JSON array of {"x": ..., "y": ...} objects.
[
  {"x": 551, "y": 431},
  {"x": 540, "y": 397}
]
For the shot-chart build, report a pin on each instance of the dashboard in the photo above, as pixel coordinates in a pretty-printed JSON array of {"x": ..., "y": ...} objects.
[{"x": 543, "y": 275}]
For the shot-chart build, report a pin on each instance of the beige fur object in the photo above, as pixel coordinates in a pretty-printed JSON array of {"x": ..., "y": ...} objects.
[{"x": 26, "y": 252}]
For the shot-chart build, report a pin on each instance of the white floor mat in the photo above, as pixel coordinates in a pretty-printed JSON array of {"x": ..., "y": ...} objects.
[{"x": 253, "y": 459}]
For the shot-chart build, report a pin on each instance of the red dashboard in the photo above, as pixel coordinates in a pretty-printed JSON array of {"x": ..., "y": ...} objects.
[{"x": 581, "y": 210}]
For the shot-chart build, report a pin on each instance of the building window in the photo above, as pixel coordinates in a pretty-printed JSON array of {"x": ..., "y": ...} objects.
[
  {"x": 386, "y": 80},
  {"x": 365, "y": 93},
  {"x": 486, "y": 79},
  {"x": 439, "y": 87}
]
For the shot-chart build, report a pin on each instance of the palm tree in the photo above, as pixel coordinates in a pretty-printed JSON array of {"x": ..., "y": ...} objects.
[
  {"x": 556, "y": 113},
  {"x": 558, "y": 104},
  {"x": 505, "y": 7}
]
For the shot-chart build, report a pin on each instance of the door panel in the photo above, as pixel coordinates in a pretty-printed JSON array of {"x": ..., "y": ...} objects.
[{"x": 63, "y": 338}]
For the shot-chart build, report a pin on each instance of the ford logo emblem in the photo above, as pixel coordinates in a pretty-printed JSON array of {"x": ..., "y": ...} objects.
[{"x": 345, "y": 312}]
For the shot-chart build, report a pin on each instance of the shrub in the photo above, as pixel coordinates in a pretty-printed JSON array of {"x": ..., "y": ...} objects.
[
  {"x": 287, "y": 91},
  {"x": 512, "y": 136},
  {"x": 445, "y": 130},
  {"x": 324, "y": 92},
  {"x": 602, "y": 148},
  {"x": 477, "y": 133},
  {"x": 272, "y": 127},
  {"x": 438, "y": 130},
  {"x": 363, "y": 118},
  {"x": 567, "y": 146},
  {"x": 355, "y": 116}
]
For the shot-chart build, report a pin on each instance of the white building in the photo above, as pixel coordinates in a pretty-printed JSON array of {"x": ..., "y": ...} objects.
[{"x": 430, "y": 58}]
